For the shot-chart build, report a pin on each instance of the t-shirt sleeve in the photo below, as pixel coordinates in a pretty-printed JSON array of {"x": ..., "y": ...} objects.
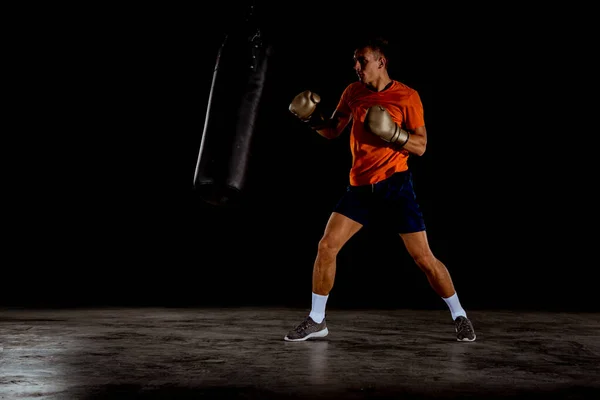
[
  {"x": 414, "y": 112},
  {"x": 344, "y": 104}
]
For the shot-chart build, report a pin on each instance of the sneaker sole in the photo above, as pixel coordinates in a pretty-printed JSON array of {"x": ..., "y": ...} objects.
[
  {"x": 319, "y": 334},
  {"x": 467, "y": 339}
]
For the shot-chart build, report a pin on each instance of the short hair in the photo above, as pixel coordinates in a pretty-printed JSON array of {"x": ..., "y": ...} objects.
[{"x": 376, "y": 43}]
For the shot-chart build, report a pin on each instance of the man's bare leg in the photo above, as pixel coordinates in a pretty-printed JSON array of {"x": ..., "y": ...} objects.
[
  {"x": 338, "y": 231},
  {"x": 439, "y": 279}
]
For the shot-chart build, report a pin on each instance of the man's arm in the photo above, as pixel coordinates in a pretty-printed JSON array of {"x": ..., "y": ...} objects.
[
  {"x": 417, "y": 141},
  {"x": 334, "y": 126},
  {"x": 306, "y": 106}
]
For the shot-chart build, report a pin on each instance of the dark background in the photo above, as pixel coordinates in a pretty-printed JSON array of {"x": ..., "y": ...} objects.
[{"x": 111, "y": 107}]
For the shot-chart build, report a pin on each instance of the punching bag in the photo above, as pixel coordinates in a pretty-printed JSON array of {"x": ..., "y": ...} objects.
[{"x": 231, "y": 115}]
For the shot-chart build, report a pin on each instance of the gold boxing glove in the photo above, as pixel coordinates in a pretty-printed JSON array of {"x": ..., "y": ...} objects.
[
  {"x": 305, "y": 106},
  {"x": 379, "y": 121}
]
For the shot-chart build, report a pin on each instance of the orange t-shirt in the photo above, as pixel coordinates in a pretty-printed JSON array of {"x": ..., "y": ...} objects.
[{"x": 373, "y": 159}]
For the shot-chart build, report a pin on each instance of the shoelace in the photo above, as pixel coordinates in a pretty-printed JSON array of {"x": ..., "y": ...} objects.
[
  {"x": 302, "y": 326},
  {"x": 464, "y": 325}
]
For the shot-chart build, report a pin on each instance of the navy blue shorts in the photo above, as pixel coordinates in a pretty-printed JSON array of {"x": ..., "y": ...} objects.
[{"x": 389, "y": 204}]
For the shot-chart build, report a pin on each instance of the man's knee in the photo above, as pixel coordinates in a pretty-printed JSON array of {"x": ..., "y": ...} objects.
[
  {"x": 328, "y": 246},
  {"x": 426, "y": 261}
]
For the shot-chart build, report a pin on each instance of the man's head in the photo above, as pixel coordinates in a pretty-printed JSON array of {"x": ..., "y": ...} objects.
[{"x": 370, "y": 59}]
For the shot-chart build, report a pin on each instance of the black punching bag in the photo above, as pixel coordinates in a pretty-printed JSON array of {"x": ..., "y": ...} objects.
[{"x": 237, "y": 86}]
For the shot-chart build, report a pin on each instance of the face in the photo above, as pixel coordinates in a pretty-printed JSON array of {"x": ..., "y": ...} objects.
[{"x": 367, "y": 64}]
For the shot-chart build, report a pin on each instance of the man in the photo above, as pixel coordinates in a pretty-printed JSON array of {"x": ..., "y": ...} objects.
[{"x": 387, "y": 127}]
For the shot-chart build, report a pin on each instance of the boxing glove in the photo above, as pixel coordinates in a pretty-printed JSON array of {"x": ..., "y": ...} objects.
[
  {"x": 305, "y": 106},
  {"x": 379, "y": 121}
]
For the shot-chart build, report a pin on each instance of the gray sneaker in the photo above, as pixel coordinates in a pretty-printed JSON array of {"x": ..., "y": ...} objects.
[
  {"x": 306, "y": 330},
  {"x": 464, "y": 329}
]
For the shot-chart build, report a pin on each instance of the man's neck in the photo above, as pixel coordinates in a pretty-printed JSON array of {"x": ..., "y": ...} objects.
[{"x": 380, "y": 85}]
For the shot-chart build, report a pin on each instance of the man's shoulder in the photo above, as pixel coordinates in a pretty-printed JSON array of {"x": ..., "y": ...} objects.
[
  {"x": 353, "y": 86},
  {"x": 352, "y": 91},
  {"x": 356, "y": 84},
  {"x": 403, "y": 87}
]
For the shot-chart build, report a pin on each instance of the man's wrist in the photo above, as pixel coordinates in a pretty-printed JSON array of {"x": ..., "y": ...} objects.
[{"x": 317, "y": 122}]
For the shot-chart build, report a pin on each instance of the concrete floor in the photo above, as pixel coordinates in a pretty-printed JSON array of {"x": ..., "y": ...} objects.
[{"x": 239, "y": 353}]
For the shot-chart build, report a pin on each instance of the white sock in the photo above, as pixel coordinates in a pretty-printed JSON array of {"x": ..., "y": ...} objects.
[
  {"x": 317, "y": 313},
  {"x": 454, "y": 306}
]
